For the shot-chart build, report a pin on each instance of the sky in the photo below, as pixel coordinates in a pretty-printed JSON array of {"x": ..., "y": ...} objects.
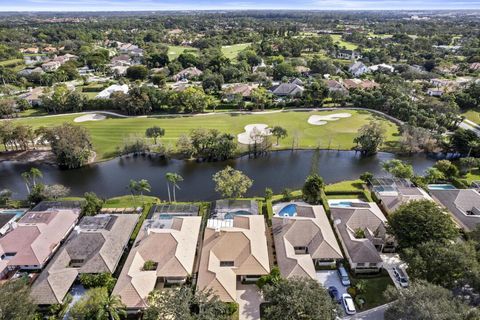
[{"x": 147, "y": 5}]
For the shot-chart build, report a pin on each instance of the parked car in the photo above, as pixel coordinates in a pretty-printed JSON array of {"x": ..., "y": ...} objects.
[
  {"x": 348, "y": 304},
  {"x": 342, "y": 272},
  {"x": 334, "y": 294},
  {"x": 401, "y": 276}
]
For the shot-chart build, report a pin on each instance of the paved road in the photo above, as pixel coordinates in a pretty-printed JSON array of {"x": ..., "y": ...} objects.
[
  {"x": 469, "y": 125},
  {"x": 377, "y": 313}
]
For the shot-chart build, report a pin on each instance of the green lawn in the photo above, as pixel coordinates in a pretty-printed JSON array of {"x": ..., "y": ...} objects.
[
  {"x": 109, "y": 134},
  {"x": 337, "y": 38},
  {"x": 375, "y": 287},
  {"x": 232, "y": 51},
  {"x": 175, "y": 51},
  {"x": 472, "y": 115},
  {"x": 345, "y": 186}
]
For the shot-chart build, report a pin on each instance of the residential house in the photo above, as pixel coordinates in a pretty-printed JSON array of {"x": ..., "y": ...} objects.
[
  {"x": 350, "y": 84},
  {"x": 334, "y": 85},
  {"x": 233, "y": 254},
  {"x": 51, "y": 66},
  {"x": 357, "y": 69},
  {"x": 168, "y": 242},
  {"x": 392, "y": 192},
  {"x": 121, "y": 60},
  {"x": 474, "y": 66},
  {"x": 95, "y": 246},
  {"x": 381, "y": 67},
  {"x": 463, "y": 205},
  {"x": 105, "y": 93},
  {"x": 297, "y": 81},
  {"x": 33, "y": 96},
  {"x": 36, "y": 236},
  {"x": 287, "y": 90},
  {"x": 243, "y": 90},
  {"x": 302, "y": 70},
  {"x": 347, "y": 54},
  {"x": 304, "y": 241},
  {"x": 188, "y": 73},
  {"x": 435, "y": 92},
  {"x": 31, "y": 50},
  {"x": 361, "y": 227}
]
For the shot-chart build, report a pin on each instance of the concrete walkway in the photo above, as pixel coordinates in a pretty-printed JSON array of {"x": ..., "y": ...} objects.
[{"x": 249, "y": 299}]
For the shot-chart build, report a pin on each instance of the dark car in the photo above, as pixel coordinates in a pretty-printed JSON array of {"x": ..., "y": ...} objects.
[{"x": 333, "y": 292}]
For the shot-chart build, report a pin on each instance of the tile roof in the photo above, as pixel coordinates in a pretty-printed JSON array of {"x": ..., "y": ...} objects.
[
  {"x": 36, "y": 236},
  {"x": 464, "y": 205},
  {"x": 311, "y": 229},
  {"x": 172, "y": 248},
  {"x": 244, "y": 245},
  {"x": 95, "y": 246},
  {"x": 369, "y": 219}
]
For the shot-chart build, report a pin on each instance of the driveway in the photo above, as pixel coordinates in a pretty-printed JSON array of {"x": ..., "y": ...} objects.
[
  {"x": 391, "y": 260},
  {"x": 377, "y": 313},
  {"x": 329, "y": 278},
  {"x": 249, "y": 299}
]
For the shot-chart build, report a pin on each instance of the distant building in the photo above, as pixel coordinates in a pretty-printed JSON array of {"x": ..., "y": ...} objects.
[
  {"x": 187, "y": 74},
  {"x": 105, "y": 93},
  {"x": 357, "y": 69},
  {"x": 347, "y": 54},
  {"x": 381, "y": 67},
  {"x": 334, "y": 85},
  {"x": 33, "y": 96},
  {"x": 287, "y": 90},
  {"x": 243, "y": 90}
]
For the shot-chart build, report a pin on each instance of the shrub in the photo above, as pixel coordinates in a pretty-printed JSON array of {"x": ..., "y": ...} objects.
[{"x": 149, "y": 265}]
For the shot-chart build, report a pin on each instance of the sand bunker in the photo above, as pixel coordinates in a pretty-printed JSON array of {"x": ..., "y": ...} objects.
[
  {"x": 90, "y": 117},
  {"x": 254, "y": 133},
  {"x": 317, "y": 120}
]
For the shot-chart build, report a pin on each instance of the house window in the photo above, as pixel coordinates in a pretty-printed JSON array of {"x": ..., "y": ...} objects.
[
  {"x": 8, "y": 255},
  {"x": 371, "y": 264},
  {"x": 360, "y": 264},
  {"x": 226, "y": 264},
  {"x": 76, "y": 263}
]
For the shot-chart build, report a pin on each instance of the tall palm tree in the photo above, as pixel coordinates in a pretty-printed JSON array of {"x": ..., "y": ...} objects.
[
  {"x": 143, "y": 186},
  {"x": 34, "y": 174},
  {"x": 26, "y": 177},
  {"x": 173, "y": 178},
  {"x": 133, "y": 187}
]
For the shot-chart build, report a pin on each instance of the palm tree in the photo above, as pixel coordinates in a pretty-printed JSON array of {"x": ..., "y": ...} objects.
[
  {"x": 173, "y": 178},
  {"x": 472, "y": 145},
  {"x": 34, "y": 174},
  {"x": 26, "y": 177},
  {"x": 112, "y": 308},
  {"x": 143, "y": 186},
  {"x": 133, "y": 187}
]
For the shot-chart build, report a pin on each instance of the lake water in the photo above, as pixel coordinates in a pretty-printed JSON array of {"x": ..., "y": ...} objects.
[{"x": 278, "y": 170}]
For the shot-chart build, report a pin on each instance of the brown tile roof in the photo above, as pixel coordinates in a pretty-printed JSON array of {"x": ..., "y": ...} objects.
[
  {"x": 172, "y": 249},
  {"x": 244, "y": 245},
  {"x": 304, "y": 230},
  {"x": 36, "y": 237}
]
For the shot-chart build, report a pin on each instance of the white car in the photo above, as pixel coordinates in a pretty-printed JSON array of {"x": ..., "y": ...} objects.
[{"x": 348, "y": 304}]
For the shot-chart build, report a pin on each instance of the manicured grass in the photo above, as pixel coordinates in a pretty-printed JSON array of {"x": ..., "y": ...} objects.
[
  {"x": 375, "y": 287},
  {"x": 175, "y": 51},
  {"x": 345, "y": 186},
  {"x": 127, "y": 201},
  {"x": 472, "y": 115},
  {"x": 108, "y": 135},
  {"x": 32, "y": 113},
  {"x": 337, "y": 38},
  {"x": 231, "y": 51}
]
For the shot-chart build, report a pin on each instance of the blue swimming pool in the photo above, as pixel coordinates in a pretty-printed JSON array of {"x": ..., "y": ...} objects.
[
  {"x": 290, "y": 210},
  {"x": 232, "y": 214},
  {"x": 343, "y": 204},
  {"x": 441, "y": 187},
  {"x": 17, "y": 212}
]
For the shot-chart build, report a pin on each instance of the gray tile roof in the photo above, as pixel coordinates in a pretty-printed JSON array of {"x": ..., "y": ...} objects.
[
  {"x": 371, "y": 221},
  {"x": 460, "y": 203},
  {"x": 287, "y": 89},
  {"x": 90, "y": 248}
]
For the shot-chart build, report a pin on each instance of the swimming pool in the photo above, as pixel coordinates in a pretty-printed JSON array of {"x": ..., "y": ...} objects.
[
  {"x": 17, "y": 212},
  {"x": 290, "y": 210},
  {"x": 342, "y": 204},
  {"x": 441, "y": 187},
  {"x": 230, "y": 215}
]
